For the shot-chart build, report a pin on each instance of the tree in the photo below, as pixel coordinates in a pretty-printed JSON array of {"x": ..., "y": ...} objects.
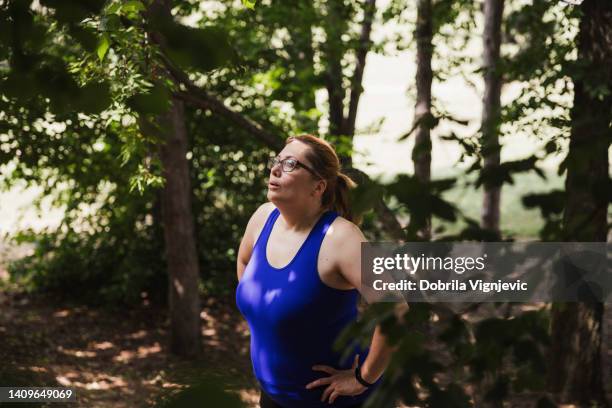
[
  {"x": 291, "y": 71},
  {"x": 59, "y": 53},
  {"x": 179, "y": 235},
  {"x": 421, "y": 153},
  {"x": 493, "y": 11},
  {"x": 342, "y": 117},
  {"x": 576, "y": 370},
  {"x": 176, "y": 207}
]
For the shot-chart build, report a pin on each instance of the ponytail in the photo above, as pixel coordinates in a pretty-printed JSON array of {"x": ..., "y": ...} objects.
[{"x": 341, "y": 200}]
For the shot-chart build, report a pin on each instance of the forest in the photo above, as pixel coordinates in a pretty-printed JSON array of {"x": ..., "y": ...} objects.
[{"x": 137, "y": 133}]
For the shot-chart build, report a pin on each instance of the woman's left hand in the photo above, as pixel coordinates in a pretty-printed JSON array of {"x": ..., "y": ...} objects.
[{"x": 341, "y": 382}]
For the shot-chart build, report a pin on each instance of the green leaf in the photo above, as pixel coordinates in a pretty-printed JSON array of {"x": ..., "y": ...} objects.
[
  {"x": 155, "y": 102},
  {"x": 85, "y": 36},
  {"x": 549, "y": 203},
  {"x": 204, "y": 49},
  {"x": 365, "y": 196},
  {"x": 94, "y": 98},
  {"x": 113, "y": 8},
  {"x": 211, "y": 392},
  {"x": 132, "y": 6},
  {"x": 72, "y": 11},
  {"x": 250, "y": 4},
  {"x": 527, "y": 379},
  {"x": 103, "y": 46}
]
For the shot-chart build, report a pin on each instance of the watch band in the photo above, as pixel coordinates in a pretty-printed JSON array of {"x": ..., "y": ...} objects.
[{"x": 360, "y": 378}]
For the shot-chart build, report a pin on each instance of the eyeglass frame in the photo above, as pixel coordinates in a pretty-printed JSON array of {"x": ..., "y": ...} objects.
[{"x": 273, "y": 161}]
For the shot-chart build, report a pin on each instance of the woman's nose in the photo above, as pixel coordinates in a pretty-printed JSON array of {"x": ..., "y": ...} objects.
[{"x": 276, "y": 170}]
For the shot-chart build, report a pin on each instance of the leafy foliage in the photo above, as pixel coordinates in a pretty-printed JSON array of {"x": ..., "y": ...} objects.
[
  {"x": 83, "y": 142},
  {"x": 80, "y": 81},
  {"x": 432, "y": 364}
]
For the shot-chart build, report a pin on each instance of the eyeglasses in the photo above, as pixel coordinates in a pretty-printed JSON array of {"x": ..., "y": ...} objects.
[{"x": 289, "y": 164}]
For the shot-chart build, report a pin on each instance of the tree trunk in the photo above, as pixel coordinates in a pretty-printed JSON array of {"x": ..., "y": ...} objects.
[
  {"x": 334, "y": 28},
  {"x": 176, "y": 212},
  {"x": 421, "y": 153},
  {"x": 179, "y": 236},
  {"x": 362, "y": 52},
  {"x": 335, "y": 25},
  {"x": 493, "y": 11},
  {"x": 576, "y": 371}
]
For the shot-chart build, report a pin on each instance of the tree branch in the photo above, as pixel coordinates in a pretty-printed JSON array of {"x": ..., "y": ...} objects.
[
  {"x": 196, "y": 96},
  {"x": 362, "y": 52},
  {"x": 203, "y": 100}
]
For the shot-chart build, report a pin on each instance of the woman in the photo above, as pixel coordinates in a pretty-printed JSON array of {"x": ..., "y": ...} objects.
[{"x": 299, "y": 274}]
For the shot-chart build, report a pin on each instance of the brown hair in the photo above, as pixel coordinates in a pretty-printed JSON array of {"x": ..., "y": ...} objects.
[{"x": 323, "y": 158}]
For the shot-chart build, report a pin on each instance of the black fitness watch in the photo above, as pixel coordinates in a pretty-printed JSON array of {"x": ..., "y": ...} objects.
[{"x": 360, "y": 378}]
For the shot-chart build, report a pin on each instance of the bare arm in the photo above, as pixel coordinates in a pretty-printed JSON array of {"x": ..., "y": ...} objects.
[
  {"x": 244, "y": 250},
  {"x": 243, "y": 259},
  {"x": 253, "y": 229},
  {"x": 349, "y": 241},
  {"x": 378, "y": 358}
]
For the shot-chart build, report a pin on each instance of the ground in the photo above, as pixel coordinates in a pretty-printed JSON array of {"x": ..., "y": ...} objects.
[
  {"x": 115, "y": 359},
  {"x": 120, "y": 358}
]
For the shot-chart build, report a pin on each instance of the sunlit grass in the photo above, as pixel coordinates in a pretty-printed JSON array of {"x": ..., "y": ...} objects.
[{"x": 516, "y": 220}]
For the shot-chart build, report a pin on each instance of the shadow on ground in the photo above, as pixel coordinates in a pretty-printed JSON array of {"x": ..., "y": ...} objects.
[{"x": 116, "y": 359}]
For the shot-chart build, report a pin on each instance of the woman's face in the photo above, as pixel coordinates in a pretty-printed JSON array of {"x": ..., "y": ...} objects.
[{"x": 298, "y": 185}]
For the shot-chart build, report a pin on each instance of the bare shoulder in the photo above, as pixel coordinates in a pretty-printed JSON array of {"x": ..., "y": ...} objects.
[
  {"x": 340, "y": 255},
  {"x": 258, "y": 219},
  {"x": 264, "y": 210},
  {"x": 344, "y": 229},
  {"x": 345, "y": 236}
]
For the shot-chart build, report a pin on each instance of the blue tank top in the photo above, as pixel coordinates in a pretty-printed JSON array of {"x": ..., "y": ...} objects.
[{"x": 294, "y": 319}]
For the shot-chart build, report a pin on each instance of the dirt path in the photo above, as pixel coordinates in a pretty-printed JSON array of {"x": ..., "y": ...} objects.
[
  {"x": 115, "y": 359},
  {"x": 120, "y": 359}
]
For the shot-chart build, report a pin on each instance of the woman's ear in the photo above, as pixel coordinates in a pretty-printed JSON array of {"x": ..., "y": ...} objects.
[{"x": 320, "y": 186}]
